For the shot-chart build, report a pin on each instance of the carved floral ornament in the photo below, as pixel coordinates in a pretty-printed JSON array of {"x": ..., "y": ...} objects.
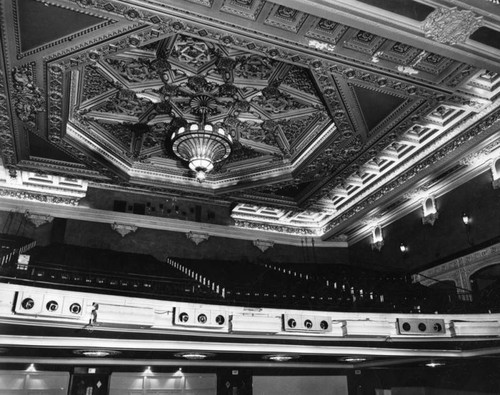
[
  {"x": 203, "y": 82},
  {"x": 38, "y": 219},
  {"x": 197, "y": 237},
  {"x": 123, "y": 229},
  {"x": 263, "y": 245},
  {"x": 451, "y": 26},
  {"x": 28, "y": 98}
]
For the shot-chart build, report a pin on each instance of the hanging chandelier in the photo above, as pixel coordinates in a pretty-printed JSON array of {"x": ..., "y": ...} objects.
[{"x": 201, "y": 144}]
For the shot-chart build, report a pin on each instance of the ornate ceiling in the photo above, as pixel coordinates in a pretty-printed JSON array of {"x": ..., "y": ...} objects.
[{"x": 343, "y": 115}]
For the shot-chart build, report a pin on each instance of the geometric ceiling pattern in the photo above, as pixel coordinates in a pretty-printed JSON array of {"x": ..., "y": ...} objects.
[{"x": 337, "y": 120}]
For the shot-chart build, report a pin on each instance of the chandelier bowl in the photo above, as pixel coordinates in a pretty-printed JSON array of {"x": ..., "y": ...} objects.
[{"x": 201, "y": 145}]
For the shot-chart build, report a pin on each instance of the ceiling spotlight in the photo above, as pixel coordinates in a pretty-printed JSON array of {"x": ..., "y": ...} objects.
[
  {"x": 96, "y": 353},
  {"x": 194, "y": 355},
  {"x": 280, "y": 357},
  {"x": 403, "y": 248},
  {"x": 353, "y": 359}
]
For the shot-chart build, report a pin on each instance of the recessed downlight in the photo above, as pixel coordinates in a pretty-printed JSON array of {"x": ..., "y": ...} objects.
[
  {"x": 97, "y": 353},
  {"x": 434, "y": 364},
  {"x": 280, "y": 357},
  {"x": 353, "y": 359},
  {"x": 194, "y": 355}
]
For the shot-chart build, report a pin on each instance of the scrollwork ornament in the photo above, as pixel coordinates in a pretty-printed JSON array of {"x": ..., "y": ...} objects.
[
  {"x": 28, "y": 98},
  {"x": 451, "y": 26}
]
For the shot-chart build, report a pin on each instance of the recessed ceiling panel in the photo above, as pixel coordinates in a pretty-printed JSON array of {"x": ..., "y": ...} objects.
[
  {"x": 375, "y": 105},
  {"x": 34, "y": 17}
]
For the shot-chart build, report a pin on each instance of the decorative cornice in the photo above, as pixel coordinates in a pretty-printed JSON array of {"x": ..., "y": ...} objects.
[
  {"x": 446, "y": 149},
  {"x": 123, "y": 229},
  {"x": 197, "y": 237},
  {"x": 291, "y": 230},
  {"x": 37, "y": 197}
]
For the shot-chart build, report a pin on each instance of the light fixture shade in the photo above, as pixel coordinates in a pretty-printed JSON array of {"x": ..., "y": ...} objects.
[
  {"x": 201, "y": 145},
  {"x": 465, "y": 218}
]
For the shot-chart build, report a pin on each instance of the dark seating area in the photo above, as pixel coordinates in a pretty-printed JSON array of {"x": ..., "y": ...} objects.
[
  {"x": 291, "y": 285},
  {"x": 95, "y": 270},
  {"x": 11, "y": 246},
  {"x": 319, "y": 287}
]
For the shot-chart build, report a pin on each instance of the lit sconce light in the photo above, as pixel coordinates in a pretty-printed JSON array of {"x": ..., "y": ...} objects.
[
  {"x": 31, "y": 368},
  {"x": 465, "y": 219},
  {"x": 148, "y": 370},
  {"x": 495, "y": 171},
  {"x": 178, "y": 372},
  {"x": 403, "y": 248},
  {"x": 430, "y": 211},
  {"x": 377, "y": 238}
]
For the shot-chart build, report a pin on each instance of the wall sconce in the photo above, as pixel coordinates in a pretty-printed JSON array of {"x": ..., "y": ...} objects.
[
  {"x": 466, "y": 219},
  {"x": 377, "y": 238},
  {"x": 403, "y": 248},
  {"x": 495, "y": 171},
  {"x": 430, "y": 211}
]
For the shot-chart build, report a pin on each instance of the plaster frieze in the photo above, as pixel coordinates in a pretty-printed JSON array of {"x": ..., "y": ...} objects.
[
  {"x": 460, "y": 270},
  {"x": 41, "y": 197}
]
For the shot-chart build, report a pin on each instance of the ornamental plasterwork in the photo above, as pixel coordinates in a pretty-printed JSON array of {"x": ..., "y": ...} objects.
[
  {"x": 263, "y": 245},
  {"x": 304, "y": 149},
  {"x": 451, "y": 26},
  {"x": 430, "y": 219},
  {"x": 495, "y": 167},
  {"x": 459, "y": 270},
  {"x": 197, "y": 237},
  {"x": 38, "y": 219},
  {"x": 28, "y": 98},
  {"x": 41, "y": 187},
  {"x": 123, "y": 229}
]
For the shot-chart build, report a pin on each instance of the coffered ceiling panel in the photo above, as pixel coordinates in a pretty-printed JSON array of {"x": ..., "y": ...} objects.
[{"x": 331, "y": 113}]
